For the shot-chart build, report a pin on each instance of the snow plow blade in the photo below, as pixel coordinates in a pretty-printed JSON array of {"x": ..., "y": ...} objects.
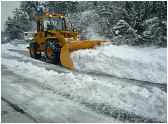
[{"x": 73, "y": 46}]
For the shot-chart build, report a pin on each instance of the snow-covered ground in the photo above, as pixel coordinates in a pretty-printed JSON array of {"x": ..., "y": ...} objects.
[
  {"x": 10, "y": 115},
  {"x": 42, "y": 105},
  {"x": 100, "y": 95},
  {"x": 145, "y": 64}
]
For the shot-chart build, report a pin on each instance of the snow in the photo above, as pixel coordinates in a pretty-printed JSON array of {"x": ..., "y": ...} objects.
[
  {"x": 44, "y": 106},
  {"x": 86, "y": 13},
  {"x": 85, "y": 88},
  {"x": 152, "y": 20},
  {"x": 9, "y": 115},
  {"x": 145, "y": 64},
  {"x": 91, "y": 35},
  {"x": 121, "y": 61},
  {"x": 15, "y": 45},
  {"x": 6, "y": 49},
  {"x": 117, "y": 32}
]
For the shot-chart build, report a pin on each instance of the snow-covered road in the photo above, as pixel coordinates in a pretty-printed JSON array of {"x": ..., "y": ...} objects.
[
  {"x": 92, "y": 97},
  {"x": 10, "y": 113},
  {"x": 43, "y": 105}
]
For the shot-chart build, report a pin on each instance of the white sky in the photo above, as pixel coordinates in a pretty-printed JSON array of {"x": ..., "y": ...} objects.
[{"x": 6, "y": 10}]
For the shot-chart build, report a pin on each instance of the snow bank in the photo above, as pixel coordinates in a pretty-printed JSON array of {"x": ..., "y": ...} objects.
[
  {"x": 84, "y": 88},
  {"x": 145, "y": 64}
]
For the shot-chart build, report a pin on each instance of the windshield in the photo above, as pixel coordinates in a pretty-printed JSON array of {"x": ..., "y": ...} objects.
[{"x": 54, "y": 24}]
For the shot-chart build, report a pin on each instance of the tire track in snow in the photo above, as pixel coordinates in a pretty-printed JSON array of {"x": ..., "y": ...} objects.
[
  {"x": 116, "y": 113},
  {"x": 99, "y": 108},
  {"x": 18, "y": 109},
  {"x": 20, "y": 82}
]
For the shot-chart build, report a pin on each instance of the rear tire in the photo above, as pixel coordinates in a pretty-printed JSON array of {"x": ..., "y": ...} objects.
[
  {"x": 33, "y": 49},
  {"x": 52, "y": 52}
]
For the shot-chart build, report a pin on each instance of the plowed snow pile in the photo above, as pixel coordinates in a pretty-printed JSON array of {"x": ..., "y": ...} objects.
[{"x": 145, "y": 64}]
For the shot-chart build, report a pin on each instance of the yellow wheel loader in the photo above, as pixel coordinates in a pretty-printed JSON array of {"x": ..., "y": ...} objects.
[{"x": 56, "y": 41}]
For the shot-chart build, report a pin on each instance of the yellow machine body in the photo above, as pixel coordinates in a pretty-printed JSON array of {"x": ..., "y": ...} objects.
[{"x": 67, "y": 39}]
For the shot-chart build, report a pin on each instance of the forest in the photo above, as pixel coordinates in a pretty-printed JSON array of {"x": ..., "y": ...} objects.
[{"x": 138, "y": 23}]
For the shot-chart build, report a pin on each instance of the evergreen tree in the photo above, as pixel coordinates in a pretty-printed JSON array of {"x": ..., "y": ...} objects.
[{"x": 102, "y": 17}]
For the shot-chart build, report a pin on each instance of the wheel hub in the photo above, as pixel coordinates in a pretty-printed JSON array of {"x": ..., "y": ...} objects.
[
  {"x": 32, "y": 51},
  {"x": 49, "y": 52}
]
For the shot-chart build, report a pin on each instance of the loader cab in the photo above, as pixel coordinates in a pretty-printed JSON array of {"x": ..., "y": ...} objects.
[
  {"x": 54, "y": 24},
  {"x": 51, "y": 22}
]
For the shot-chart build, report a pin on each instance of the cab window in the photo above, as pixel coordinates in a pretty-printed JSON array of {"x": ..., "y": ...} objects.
[{"x": 54, "y": 24}]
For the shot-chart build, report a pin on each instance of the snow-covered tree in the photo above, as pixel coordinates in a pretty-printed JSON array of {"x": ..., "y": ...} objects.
[
  {"x": 61, "y": 7},
  {"x": 136, "y": 12},
  {"x": 125, "y": 34},
  {"x": 13, "y": 30},
  {"x": 31, "y": 9},
  {"x": 101, "y": 17},
  {"x": 23, "y": 19},
  {"x": 155, "y": 32}
]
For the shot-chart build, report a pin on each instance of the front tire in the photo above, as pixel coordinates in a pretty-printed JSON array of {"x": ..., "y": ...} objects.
[
  {"x": 33, "y": 49},
  {"x": 52, "y": 52}
]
